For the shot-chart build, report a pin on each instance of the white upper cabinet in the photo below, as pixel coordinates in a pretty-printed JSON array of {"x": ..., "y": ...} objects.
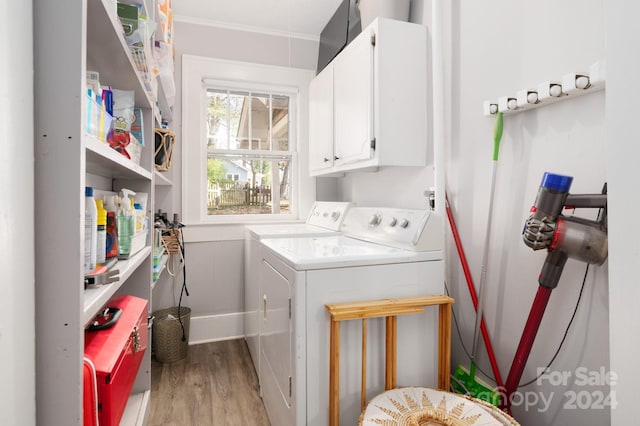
[
  {"x": 368, "y": 107},
  {"x": 321, "y": 120},
  {"x": 353, "y": 104}
]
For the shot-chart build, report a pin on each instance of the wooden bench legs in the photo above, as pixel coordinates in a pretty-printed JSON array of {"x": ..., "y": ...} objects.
[{"x": 388, "y": 309}]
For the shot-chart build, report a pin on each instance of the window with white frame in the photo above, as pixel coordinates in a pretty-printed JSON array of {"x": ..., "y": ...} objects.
[
  {"x": 244, "y": 130},
  {"x": 249, "y": 159}
]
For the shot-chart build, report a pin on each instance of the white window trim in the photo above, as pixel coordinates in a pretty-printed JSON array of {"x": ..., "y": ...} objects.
[{"x": 196, "y": 73}]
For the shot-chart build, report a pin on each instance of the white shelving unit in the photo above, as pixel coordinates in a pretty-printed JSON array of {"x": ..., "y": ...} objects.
[
  {"x": 163, "y": 179},
  {"x": 96, "y": 297},
  {"x": 161, "y": 266},
  {"x": 71, "y": 37}
]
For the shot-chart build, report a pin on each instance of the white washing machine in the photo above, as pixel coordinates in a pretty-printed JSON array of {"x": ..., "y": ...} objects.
[
  {"x": 382, "y": 253},
  {"x": 324, "y": 219}
]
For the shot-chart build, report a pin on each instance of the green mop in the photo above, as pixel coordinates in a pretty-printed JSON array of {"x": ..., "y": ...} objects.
[{"x": 464, "y": 380}]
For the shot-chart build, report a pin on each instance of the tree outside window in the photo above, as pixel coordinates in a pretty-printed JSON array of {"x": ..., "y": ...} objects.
[{"x": 248, "y": 152}]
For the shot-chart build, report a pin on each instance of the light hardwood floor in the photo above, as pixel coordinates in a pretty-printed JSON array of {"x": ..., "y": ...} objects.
[{"x": 215, "y": 385}]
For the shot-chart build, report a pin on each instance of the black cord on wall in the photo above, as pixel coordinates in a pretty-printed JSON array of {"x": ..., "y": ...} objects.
[
  {"x": 184, "y": 289},
  {"x": 555, "y": 355}
]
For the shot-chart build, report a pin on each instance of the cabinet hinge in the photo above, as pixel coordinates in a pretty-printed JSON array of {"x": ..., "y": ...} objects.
[
  {"x": 289, "y": 308},
  {"x": 373, "y": 144},
  {"x": 290, "y": 387},
  {"x": 373, "y": 39}
]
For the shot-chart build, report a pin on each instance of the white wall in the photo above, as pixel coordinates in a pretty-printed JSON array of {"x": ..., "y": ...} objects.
[
  {"x": 500, "y": 47},
  {"x": 215, "y": 274},
  {"x": 17, "y": 316},
  {"x": 622, "y": 108},
  {"x": 514, "y": 46}
]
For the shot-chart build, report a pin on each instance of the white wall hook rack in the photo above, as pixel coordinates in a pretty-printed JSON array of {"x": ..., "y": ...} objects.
[{"x": 549, "y": 92}]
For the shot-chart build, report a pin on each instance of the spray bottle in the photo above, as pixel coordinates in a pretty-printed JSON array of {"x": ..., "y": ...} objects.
[
  {"x": 111, "y": 205},
  {"x": 126, "y": 223}
]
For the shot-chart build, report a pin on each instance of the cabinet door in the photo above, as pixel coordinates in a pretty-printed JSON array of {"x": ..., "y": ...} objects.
[
  {"x": 321, "y": 120},
  {"x": 353, "y": 102}
]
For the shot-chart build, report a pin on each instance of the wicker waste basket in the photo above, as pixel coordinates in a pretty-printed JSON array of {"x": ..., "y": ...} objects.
[{"x": 167, "y": 334}]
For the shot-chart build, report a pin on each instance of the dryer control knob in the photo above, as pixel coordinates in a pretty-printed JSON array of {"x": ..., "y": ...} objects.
[
  {"x": 404, "y": 223},
  {"x": 375, "y": 220},
  {"x": 393, "y": 222},
  {"x": 335, "y": 215}
]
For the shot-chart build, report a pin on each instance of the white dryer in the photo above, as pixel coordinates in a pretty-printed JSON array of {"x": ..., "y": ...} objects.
[
  {"x": 324, "y": 219},
  {"x": 382, "y": 253}
]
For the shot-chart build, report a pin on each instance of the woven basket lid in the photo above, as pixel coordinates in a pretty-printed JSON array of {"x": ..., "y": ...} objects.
[{"x": 418, "y": 406}]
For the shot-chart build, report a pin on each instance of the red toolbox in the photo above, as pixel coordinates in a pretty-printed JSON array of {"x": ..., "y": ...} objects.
[
  {"x": 116, "y": 341},
  {"x": 89, "y": 394}
]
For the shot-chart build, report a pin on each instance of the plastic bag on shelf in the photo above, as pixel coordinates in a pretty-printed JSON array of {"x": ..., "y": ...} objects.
[
  {"x": 123, "y": 104},
  {"x": 133, "y": 149},
  {"x": 164, "y": 60},
  {"x": 165, "y": 17},
  {"x": 123, "y": 114},
  {"x": 138, "y": 33}
]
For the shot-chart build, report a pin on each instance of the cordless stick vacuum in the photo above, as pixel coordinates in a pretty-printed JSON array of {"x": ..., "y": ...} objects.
[{"x": 564, "y": 238}]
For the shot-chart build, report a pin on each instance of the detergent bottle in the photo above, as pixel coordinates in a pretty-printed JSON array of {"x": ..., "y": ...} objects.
[
  {"x": 101, "y": 242},
  {"x": 111, "y": 245},
  {"x": 90, "y": 230},
  {"x": 126, "y": 224}
]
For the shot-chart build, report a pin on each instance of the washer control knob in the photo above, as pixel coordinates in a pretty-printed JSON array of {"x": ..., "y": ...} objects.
[
  {"x": 375, "y": 220},
  {"x": 393, "y": 222},
  {"x": 325, "y": 214},
  {"x": 404, "y": 223},
  {"x": 335, "y": 215}
]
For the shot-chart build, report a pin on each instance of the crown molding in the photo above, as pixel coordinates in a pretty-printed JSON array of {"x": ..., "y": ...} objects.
[{"x": 245, "y": 28}]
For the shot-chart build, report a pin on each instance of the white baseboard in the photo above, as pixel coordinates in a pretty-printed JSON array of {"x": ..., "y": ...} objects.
[{"x": 213, "y": 328}]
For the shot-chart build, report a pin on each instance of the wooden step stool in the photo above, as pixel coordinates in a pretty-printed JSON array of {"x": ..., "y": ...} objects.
[{"x": 389, "y": 309}]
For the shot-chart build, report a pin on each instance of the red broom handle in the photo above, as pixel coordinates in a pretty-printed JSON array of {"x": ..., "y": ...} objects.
[{"x": 474, "y": 296}]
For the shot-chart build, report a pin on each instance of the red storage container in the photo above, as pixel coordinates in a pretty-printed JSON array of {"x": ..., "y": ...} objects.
[
  {"x": 117, "y": 352},
  {"x": 90, "y": 394}
]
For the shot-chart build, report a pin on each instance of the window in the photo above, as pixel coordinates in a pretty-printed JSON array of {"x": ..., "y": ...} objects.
[
  {"x": 245, "y": 142},
  {"x": 248, "y": 152}
]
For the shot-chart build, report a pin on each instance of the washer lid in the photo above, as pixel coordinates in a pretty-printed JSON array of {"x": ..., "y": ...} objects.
[
  {"x": 288, "y": 230},
  {"x": 341, "y": 251}
]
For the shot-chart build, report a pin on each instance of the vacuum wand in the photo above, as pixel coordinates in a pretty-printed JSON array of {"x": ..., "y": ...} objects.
[{"x": 564, "y": 238}]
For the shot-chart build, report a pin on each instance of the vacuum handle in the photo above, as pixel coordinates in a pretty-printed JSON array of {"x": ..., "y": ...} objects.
[{"x": 552, "y": 269}]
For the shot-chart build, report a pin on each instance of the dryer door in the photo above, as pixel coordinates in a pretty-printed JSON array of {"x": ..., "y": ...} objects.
[{"x": 276, "y": 337}]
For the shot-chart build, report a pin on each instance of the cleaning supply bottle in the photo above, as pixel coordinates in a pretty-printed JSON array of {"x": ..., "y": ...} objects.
[
  {"x": 126, "y": 224},
  {"x": 101, "y": 241},
  {"x": 111, "y": 245},
  {"x": 90, "y": 230},
  {"x": 141, "y": 217}
]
